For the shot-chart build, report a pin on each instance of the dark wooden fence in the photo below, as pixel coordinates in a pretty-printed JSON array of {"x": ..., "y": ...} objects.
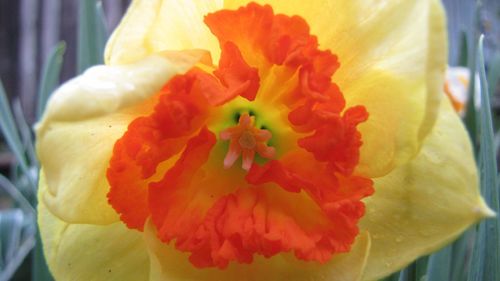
[{"x": 29, "y": 29}]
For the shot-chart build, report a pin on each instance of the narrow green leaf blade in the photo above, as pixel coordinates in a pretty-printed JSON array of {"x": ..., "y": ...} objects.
[
  {"x": 494, "y": 73},
  {"x": 463, "y": 51},
  {"x": 476, "y": 268},
  {"x": 87, "y": 54},
  {"x": 91, "y": 39},
  {"x": 102, "y": 29},
  {"x": 15, "y": 247},
  {"x": 14, "y": 193},
  {"x": 26, "y": 134},
  {"x": 421, "y": 266},
  {"x": 462, "y": 248},
  {"x": 11, "y": 224},
  {"x": 488, "y": 166},
  {"x": 485, "y": 258},
  {"x": 40, "y": 270},
  {"x": 471, "y": 119},
  {"x": 494, "y": 85},
  {"x": 50, "y": 76},
  {"x": 393, "y": 277},
  {"x": 440, "y": 265},
  {"x": 9, "y": 130},
  {"x": 409, "y": 273}
]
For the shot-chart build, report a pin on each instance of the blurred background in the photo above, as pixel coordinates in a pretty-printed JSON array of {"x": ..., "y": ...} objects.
[
  {"x": 29, "y": 30},
  {"x": 38, "y": 36}
]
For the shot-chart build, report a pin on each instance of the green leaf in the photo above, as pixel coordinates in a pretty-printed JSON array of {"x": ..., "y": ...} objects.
[
  {"x": 102, "y": 30},
  {"x": 494, "y": 73},
  {"x": 40, "y": 270},
  {"x": 497, "y": 142},
  {"x": 91, "y": 35},
  {"x": 393, "y": 277},
  {"x": 488, "y": 166},
  {"x": 421, "y": 267},
  {"x": 10, "y": 132},
  {"x": 11, "y": 224},
  {"x": 463, "y": 51},
  {"x": 14, "y": 245},
  {"x": 26, "y": 134},
  {"x": 460, "y": 255},
  {"x": 16, "y": 195},
  {"x": 409, "y": 273},
  {"x": 476, "y": 268},
  {"x": 470, "y": 119},
  {"x": 17, "y": 230},
  {"x": 50, "y": 76},
  {"x": 494, "y": 84},
  {"x": 440, "y": 265},
  {"x": 486, "y": 255}
]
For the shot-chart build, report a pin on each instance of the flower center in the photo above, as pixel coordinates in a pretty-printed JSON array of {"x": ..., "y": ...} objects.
[{"x": 246, "y": 140}]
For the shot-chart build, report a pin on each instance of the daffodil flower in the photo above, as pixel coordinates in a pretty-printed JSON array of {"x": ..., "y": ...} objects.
[
  {"x": 456, "y": 86},
  {"x": 277, "y": 140}
]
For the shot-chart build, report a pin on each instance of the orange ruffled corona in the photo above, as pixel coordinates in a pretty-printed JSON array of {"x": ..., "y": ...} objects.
[{"x": 270, "y": 101}]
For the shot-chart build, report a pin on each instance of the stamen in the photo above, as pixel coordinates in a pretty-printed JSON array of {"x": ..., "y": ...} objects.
[{"x": 246, "y": 140}]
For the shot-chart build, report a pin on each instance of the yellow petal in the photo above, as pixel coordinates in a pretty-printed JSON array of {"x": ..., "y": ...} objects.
[
  {"x": 106, "y": 89},
  {"x": 421, "y": 206},
  {"x": 80, "y": 252},
  {"x": 84, "y": 118},
  {"x": 392, "y": 56},
  {"x": 170, "y": 264},
  {"x": 151, "y": 26}
]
